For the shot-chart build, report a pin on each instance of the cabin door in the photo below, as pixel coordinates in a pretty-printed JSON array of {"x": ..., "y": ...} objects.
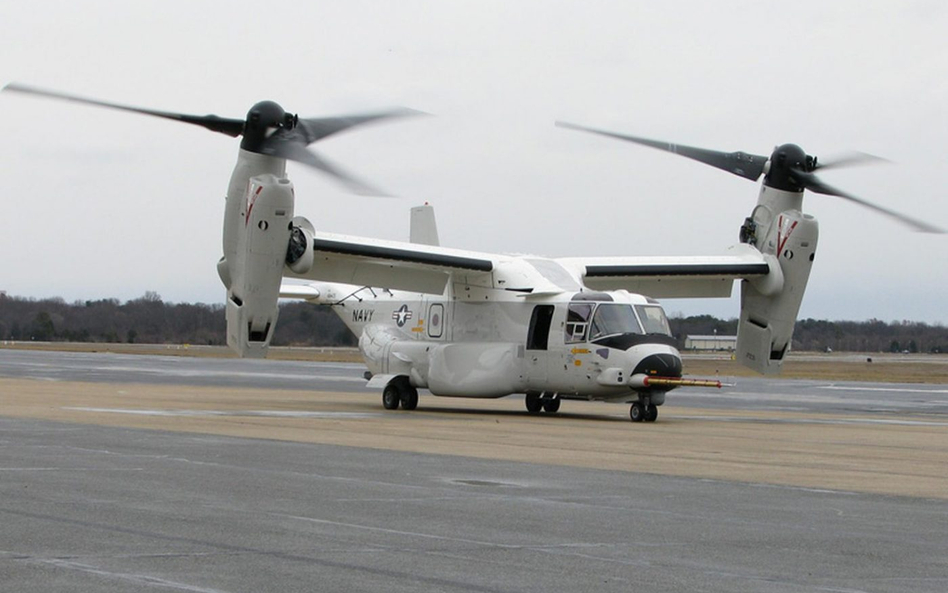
[{"x": 537, "y": 355}]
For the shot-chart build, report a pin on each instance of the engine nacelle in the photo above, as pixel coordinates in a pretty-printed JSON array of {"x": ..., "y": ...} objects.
[
  {"x": 300, "y": 254},
  {"x": 256, "y": 274},
  {"x": 768, "y": 314}
]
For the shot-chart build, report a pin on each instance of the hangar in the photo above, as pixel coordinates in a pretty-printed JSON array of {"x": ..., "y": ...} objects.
[{"x": 715, "y": 342}]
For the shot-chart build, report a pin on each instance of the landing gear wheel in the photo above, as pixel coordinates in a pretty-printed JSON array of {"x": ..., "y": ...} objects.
[
  {"x": 637, "y": 412},
  {"x": 391, "y": 397},
  {"x": 551, "y": 404},
  {"x": 651, "y": 413},
  {"x": 533, "y": 402},
  {"x": 409, "y": 397}
]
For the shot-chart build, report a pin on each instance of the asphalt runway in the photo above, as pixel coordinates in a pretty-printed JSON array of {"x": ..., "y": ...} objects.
[
  {"x": 741, "y": 392},
  {"x": 122, "y": 473}
]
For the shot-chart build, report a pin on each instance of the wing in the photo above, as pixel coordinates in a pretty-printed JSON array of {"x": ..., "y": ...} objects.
[
  {"x": 673, "y": 277},
  {"x": 391, "y": 264}
]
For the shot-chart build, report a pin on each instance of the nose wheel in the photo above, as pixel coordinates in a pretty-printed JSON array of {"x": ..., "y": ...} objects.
[{"x": 643, "y": 412}]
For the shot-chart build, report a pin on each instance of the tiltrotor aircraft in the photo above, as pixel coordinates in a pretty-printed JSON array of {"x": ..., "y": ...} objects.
[{"x": 483, "y": 325}]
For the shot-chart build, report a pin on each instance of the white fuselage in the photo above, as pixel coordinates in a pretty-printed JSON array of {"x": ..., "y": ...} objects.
[{"x": 489, "y": 338}]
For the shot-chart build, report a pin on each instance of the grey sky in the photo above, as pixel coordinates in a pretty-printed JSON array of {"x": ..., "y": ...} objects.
[{"x": 104, "y": 204}]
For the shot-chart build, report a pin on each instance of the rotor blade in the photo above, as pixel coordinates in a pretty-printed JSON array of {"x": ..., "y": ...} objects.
[
  {"x": 816, "y": 185},
  {"x": 748, "y": 166},
  {"x": 849, "y": 159},
  {"x": 297, "y": 152},
  {"x": 231, "y": 127},
  {"x": 313, "y": 129}
]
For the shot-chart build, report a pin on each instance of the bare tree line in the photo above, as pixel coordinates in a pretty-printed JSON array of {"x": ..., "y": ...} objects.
[
  {"x": 149, "y": 319},
  {"x": 837, "y": 336}
]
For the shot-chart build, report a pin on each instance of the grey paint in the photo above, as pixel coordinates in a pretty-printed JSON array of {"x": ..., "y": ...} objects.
[{"x": 89, "y": 508}]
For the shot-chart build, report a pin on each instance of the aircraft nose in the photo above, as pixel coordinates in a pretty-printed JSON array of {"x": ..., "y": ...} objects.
[{"x": 661, "y": 364}]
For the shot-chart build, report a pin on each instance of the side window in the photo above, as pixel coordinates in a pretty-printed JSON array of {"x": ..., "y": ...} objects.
[
  {"x": 435, "y": 320},
  {"x": 577, "y": 322},
  {"x": 538, "y": 336}
]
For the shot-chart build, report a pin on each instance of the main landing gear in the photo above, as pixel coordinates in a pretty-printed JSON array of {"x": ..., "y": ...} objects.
[
  {"x": 536, "y": 401},
  {"x": 643, "y": 412},
  {"x": 399, "y": 392}
]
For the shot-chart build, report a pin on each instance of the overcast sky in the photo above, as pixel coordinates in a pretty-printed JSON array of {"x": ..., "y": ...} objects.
[{"x": 104, "y": 204}]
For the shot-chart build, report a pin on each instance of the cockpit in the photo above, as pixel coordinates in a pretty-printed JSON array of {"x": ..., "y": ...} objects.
[{"x": 591, "y": 320}]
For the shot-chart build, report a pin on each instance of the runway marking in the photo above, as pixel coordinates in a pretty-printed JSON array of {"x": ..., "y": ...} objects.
[
  {"x": 231, "y": 374},
  {"x": 140, "y": 579},
  {"x": 895, "y": 389},
  {"x": 194, "y": 373},
  {"x": 563, "y": 548},
  {"x": 260, "y": 413},
  {"x": 30, "y": 469},
  {"x": 838, "y": 421},
  {"x": 803, "y": 399},
  {"x": 69, "y": 469},
  {"x": 438, "y": 537}
]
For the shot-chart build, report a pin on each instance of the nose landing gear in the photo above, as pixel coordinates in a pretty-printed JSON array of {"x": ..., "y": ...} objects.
[{"x": 643, "y": 411}]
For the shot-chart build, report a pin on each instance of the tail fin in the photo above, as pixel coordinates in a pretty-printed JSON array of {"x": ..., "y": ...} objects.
[{"x": 424, "y": 229}]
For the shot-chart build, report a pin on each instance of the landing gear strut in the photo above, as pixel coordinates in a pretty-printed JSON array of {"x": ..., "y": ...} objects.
[
  {"x": 409, "y": 397},
  {"x": 390, "y": 397},
  {"x": 399, "y": 392},
  {"x": 551, "y": 405},
  {"x": 536, "y": 401},
  {"x": 643, "y": 411},
  {"x": 533, "y": 402},
  {"x": 651, "y": 413}
]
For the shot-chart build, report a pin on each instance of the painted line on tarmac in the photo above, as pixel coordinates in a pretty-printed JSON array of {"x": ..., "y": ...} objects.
[
  {"x": 802, "y": 400},
  {"x": 243, "y": 413},
  {"x": 227, "y": 373},
  {"x": 892, "y": 389},
  {"x": 137, "y": 579},
  {"x": 838, "y": 421}
]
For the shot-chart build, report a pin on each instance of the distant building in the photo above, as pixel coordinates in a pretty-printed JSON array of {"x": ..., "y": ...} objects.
[{"x": 726, "y": 343}]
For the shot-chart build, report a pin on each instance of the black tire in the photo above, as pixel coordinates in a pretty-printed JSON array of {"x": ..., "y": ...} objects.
[
  {"x": 551, "y": 404},
  {"x": 409, "y": 397},
  {"x": 651, "y": 413},
  {"x": 637, "y": 412},
  {"x": 391, "y": 396},
  {"x": 533, "y": 402}
]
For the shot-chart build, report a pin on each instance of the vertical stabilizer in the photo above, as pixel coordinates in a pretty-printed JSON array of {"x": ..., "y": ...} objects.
[{"x": 424, "y": 229}]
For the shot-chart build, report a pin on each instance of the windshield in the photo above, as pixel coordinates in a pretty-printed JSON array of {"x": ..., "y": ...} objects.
[
  {"x": 610, "y": 320},
  {"x": 653, "y": 319}
]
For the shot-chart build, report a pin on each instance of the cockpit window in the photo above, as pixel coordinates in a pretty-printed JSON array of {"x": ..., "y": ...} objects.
[
  {"x": 610, "y": 320},
  {"x": 653, "y": 319},
  {"x": 577, "y": 322}
]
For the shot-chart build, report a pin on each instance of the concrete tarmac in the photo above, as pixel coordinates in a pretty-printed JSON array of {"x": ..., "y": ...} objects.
[
  {"x": 756, "y": 393},
  {"x": 145, "y": 474}
]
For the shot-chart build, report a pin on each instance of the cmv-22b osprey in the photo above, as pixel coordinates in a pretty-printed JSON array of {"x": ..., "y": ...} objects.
[{"x": 471, "y": 324}]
